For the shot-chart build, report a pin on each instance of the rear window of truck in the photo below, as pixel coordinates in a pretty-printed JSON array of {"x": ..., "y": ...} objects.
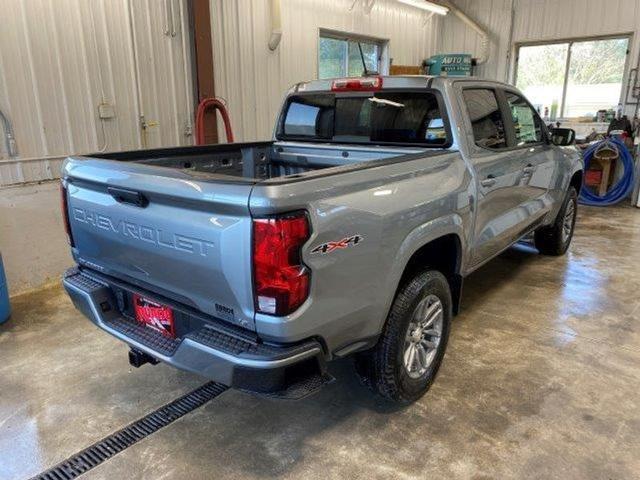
[{"x": 383, "y": 118}]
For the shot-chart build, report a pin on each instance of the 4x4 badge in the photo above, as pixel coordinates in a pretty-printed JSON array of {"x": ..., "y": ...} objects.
[{"x": 340, "y": 244}]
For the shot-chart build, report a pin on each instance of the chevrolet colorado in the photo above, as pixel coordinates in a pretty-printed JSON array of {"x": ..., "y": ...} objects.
[{"x": 349, "y": 233}]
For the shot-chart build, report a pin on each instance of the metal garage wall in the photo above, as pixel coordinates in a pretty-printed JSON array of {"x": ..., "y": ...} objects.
[
  {"x": 552, "y": 19},
  {"x": 536, "y": 20},
  {"x": 495, "y": 17},
  {"x": 253, "y": 79},
  {"x": 541, "y": 20},
  {"x": 59, "y": 59}
]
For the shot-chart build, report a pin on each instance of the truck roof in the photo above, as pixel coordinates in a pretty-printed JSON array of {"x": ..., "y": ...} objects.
[{"x": 389, "y": 81}]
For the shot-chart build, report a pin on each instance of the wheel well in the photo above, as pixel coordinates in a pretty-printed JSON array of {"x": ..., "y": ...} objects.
[
  {"x": 442, "y": 254},
  {"x": 576, "y": 181}
]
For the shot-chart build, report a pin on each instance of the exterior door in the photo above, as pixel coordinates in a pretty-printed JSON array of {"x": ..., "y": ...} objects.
[
  {"x": 499, "y": 173},
  {"x": 161, "y": 40}
]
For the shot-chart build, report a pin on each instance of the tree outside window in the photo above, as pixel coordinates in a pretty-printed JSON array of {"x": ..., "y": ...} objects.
[
  {"x": 340, "y": 57},
  {"x": 573, "y": 79}
]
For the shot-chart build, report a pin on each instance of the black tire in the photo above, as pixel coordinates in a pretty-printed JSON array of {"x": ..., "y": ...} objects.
[
  {"x": 551, "y": 240},
  {"x": 383, "y": 367}
]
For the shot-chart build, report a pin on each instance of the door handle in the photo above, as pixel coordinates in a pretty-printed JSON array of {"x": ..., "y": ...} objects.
[
  {"x": 489, "y": 181},
  {"x": 122, "y": 195}
]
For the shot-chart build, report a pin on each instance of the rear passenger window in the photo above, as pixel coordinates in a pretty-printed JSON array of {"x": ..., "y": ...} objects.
[
  {"x": 526, "y": 122},
  {"x": 486, "y": 118},
  {"x": 310, "y": 116},
  {"x": 380, "y": 117}
]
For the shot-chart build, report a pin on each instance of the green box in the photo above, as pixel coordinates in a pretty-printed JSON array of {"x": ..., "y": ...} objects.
[{"x": 450, "y": 64}]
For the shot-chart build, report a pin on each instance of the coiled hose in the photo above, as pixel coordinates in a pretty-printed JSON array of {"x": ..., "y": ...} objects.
[
  {"x": 203, "y": 106},
  {"x": 622, "y": 187}
]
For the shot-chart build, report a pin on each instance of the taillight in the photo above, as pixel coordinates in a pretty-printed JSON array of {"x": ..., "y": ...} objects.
[
  {"x": 364, "y": 84},
  {"x": 65, "y": 213},
  {"x": 281, "y": 281}
]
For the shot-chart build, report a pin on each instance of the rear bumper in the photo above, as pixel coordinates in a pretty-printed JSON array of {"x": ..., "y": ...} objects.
[{"x": 214, "y": 350}]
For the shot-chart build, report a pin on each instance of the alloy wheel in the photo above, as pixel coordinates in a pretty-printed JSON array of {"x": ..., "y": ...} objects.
[{"x": 423, "y": 336}]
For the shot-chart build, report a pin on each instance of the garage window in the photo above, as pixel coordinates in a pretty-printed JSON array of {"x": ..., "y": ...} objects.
[
  {"x": 339, "y": 55},
  {"x": 573, "y": 79}
]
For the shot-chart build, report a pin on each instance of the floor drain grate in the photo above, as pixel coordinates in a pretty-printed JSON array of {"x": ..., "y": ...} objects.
[{"x": 115, "y": 443}]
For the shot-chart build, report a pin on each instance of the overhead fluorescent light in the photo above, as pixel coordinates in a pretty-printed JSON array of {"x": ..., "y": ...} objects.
[{"x": 424, "y": 5}]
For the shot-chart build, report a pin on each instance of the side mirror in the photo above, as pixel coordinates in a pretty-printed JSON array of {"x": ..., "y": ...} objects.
[{"x": 563, "y": 136}]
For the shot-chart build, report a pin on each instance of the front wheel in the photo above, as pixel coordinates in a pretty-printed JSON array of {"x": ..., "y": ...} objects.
[
  {"x": 555, "y": 239},
  {"x": 405, "y": 361}
]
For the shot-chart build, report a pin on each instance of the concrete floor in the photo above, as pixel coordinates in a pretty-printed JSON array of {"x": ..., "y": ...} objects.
[{"x": 541, "y": 380}]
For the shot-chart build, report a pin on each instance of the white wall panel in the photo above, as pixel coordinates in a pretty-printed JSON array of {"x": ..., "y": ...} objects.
[
  {"x": 534, "y": 21},
  {"x": 253, "y": 79},
  {"x": 59, "y": 59},
  {"x": 543, "y": 20},
  {"x": 552, "y": 19},
  {"x": 492, "y": 15}
]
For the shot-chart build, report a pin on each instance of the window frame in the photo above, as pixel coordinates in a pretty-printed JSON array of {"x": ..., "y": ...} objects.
[
  {"x": 500, "y": 101},
  {"x": 505, "y": 110},
  {"x": 382, "y": 43},
  {"x": 298, "y": 138},
  {"x": 623, "y": 98},
  {"x": 512, "y": 127}
]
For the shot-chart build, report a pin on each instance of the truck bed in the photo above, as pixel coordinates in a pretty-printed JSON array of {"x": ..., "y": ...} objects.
[
  {"x": 258, "y": 161},
  {"x": 177, "y": 222}
]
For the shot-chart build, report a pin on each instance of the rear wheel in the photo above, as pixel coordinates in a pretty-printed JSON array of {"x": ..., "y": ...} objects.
[
  {"x": 405, "y": 361},
  {"x": 555, "y": 239}
]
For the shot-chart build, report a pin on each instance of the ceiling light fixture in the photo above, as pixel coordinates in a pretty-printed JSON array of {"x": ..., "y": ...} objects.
[{"x": 424, "y": 5}]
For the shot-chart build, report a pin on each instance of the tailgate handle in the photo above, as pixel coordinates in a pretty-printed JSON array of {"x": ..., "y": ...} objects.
[{"x": 132, "y": 197}]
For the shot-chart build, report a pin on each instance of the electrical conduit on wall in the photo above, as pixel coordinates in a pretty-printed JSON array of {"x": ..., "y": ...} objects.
[
  {"x": 276, "y": 24},
  {"x": 483, "y": 55},
  {"x": 9, "y": 136}
]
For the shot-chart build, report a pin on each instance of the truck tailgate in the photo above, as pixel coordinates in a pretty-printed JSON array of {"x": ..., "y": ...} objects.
[{"x": 165, "y": 231}]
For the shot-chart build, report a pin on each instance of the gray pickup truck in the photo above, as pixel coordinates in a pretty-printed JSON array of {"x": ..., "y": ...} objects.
[{"x": 350, "y": 233}]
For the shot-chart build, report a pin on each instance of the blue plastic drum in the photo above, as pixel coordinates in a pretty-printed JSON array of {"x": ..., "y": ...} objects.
[{"x": 5, "y": 309}]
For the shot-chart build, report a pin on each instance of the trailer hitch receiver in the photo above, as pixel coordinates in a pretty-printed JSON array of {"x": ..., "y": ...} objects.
[{"x": 138, "y": 358}]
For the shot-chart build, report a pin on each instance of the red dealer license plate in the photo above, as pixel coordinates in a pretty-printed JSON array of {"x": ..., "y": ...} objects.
[{"x": 154, "y": 315}]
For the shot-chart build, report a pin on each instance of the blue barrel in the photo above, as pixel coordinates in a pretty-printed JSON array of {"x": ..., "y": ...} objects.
[{"x": 5, "y": 310}]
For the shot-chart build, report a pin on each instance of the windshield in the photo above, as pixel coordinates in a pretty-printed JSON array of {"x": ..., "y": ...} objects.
[{"x": 383, "y": 117}]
